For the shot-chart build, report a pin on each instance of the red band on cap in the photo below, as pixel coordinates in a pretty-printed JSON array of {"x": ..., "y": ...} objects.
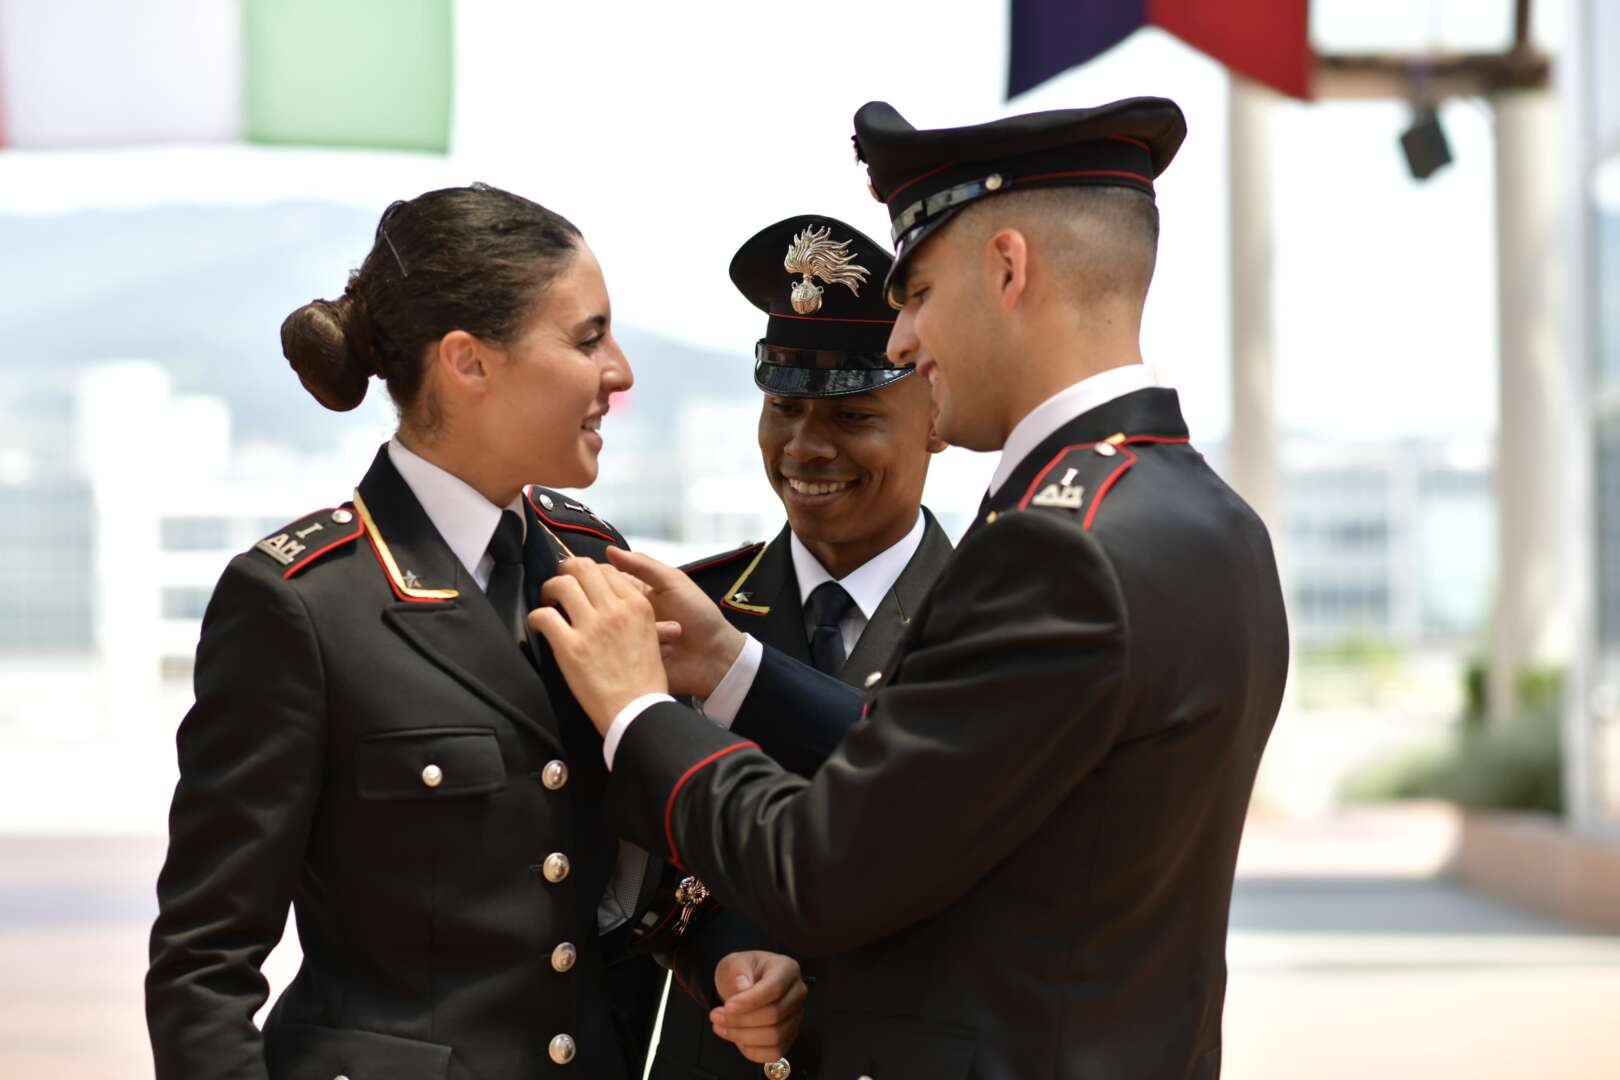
[
  {"x": 828, "y": 318},
  {"x": 919, "y": 176},
  {"x": 1082, "y": 173}
]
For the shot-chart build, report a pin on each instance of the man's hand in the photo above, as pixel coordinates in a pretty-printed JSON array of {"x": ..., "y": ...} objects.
[
  {"x": 608, "y": 646},
  {"x": 764, "y": 998},
  {"x": 707, "y": 644}
]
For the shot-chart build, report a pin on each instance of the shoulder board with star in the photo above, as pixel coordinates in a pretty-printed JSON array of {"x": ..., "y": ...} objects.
[
  {"x": 1076, "y": 481},
  {"x": 716, "y": 573},
  {"x": 294, "y": 547},
  {"x": 564, "y": 512}
]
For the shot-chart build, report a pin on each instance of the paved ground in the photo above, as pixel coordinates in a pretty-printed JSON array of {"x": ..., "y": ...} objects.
[{"x": 1349, "y": 957}]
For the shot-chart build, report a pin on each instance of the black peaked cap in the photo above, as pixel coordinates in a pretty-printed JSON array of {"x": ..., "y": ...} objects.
[
  {"x": 829, "y": 324},
  {"x": 925, "y": 176}
]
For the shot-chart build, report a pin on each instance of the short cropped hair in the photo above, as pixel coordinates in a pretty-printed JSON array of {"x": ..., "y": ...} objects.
[{"x": 1100, "y": 242}]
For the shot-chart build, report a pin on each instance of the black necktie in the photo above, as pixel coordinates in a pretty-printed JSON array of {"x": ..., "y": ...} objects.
[
  {"x": 829, "y": 605},
  {"x": 505, "y": 589}
]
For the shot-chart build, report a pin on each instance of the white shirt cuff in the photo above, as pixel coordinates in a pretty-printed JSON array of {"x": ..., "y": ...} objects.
[
  {"x": 722, "y": 705},
  {"x": 621, "y": 724}
]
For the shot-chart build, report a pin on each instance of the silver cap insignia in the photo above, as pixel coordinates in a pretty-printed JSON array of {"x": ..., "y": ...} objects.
[{"x": 815, "y": 254}]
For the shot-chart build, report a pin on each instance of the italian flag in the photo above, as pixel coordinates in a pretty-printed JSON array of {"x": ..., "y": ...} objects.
[{"x": 354, "y": 73}]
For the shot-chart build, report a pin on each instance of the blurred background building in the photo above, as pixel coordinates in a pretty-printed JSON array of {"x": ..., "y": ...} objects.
[{"x": 1416, "y": 380}]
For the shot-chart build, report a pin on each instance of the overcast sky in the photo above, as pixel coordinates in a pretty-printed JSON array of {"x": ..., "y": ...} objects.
[{"x": 673, "y": 135}]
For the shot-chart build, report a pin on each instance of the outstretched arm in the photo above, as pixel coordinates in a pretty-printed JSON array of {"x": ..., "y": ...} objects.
[{"x": 1009, "y": 688}]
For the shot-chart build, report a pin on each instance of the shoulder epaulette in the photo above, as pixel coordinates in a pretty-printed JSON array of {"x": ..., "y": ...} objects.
[
  {"x": 559, "y": 511},
  {"x": 295, "y": 546},
  {"x": 723, "y": 559},
  {"x": 1078, "y": 479}
]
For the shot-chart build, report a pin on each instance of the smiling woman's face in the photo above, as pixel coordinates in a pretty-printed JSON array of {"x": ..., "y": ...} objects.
[
  {"x": 849, "y": 470},
  {"x": 542, "y": 419}
]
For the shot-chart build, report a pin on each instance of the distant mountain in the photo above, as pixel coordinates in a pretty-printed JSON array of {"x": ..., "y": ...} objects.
[{"x": 203, "y": 290}]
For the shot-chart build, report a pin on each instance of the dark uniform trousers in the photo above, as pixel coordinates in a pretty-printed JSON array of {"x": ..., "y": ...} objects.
[
  {"x": 1019, "y": 861},
  {"x": 762, "y": 575},
  {"x": 370, "y": 746}
]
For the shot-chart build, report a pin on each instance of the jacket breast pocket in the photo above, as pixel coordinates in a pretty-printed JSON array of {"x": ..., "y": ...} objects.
[
  {"x": 429, "y": 763},
  {"x": 895, "y": 1047},
  {"x": 308, "y": 1052}
]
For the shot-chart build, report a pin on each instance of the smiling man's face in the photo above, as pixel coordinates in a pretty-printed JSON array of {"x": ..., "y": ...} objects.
[{"x": 850, "y": 470}]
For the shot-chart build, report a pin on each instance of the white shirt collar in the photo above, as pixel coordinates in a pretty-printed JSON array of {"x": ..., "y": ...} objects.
[
  {"x": 868, "y": 583},
  {"x": 1063, "y": 406},
  {"x": 463, "y": 517}
]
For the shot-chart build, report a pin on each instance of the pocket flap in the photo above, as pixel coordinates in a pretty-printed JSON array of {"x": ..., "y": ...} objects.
[
  {"x": 429, "y": 763},
  {"x": 308, "y": 1052}
]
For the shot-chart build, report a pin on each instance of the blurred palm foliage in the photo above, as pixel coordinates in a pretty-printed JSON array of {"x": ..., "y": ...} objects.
[{"x": 1517, "y": 765}]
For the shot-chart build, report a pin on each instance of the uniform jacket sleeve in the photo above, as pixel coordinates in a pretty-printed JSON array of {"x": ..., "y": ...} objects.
[
  {"x": 1008, "y": 692},
  {"x": 251, "y": 752},
  {"x": 795, "y": 713}
]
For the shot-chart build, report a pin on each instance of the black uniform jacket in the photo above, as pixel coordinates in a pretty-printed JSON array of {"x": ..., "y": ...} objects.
[
  {"x": 1019, "y": 861},
  {"x": 339, "y": 661},
  {"x": 758, "y": 590}
]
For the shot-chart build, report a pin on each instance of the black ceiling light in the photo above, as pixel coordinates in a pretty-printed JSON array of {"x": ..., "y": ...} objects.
[{"x": 1424, "y": 143}]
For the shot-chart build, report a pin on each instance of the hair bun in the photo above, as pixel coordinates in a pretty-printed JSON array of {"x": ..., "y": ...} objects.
[{"x": 316, "y": 342}]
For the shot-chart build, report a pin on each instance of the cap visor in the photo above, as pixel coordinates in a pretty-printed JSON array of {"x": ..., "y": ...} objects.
[{"x": 823, "y": 382}]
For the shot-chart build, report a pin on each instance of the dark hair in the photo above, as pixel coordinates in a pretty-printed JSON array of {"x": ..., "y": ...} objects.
[{"x": 467, "y": 258}]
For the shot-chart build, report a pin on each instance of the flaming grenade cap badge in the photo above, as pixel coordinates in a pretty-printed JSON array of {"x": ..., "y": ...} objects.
[{"x": 815, "y": 254}]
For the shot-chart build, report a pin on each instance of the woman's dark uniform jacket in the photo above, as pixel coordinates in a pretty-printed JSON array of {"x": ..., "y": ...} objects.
[
  {"x": 340, "y": 659},
  {"x": 758, "y": 591},
  {"x": 1019, "y": 861}
]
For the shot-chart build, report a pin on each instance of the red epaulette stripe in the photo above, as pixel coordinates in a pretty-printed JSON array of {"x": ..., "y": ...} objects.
[
  {"x": 286, "y": 575},
  {"x": 669, "y": 806},
  {"x": 529, "y": 495},
  {"x": 1091, "y": 514},
  {"x": 1096, "y": 500},
  {"x": 721, "y": 560}
]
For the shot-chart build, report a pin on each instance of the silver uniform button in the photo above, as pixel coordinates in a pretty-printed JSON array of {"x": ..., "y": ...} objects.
[
  {"x": 554, "y": 775},
  {"x": 342, "y": 517},
  {"x": 545, "y": 501},
  {"x": 555, "y": 867},
  {"x": 873, "y": 679},
  {"x": 778, "y": 1069},
  {"x": 340, "y": 1076},
  {"x": 563, "y": 957},
  {"x": 432, "y": 776},
  {"x": 563, "y": 1049}
]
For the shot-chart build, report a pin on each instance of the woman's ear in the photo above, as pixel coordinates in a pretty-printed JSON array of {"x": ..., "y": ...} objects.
[{"x": 461, "y": 360}]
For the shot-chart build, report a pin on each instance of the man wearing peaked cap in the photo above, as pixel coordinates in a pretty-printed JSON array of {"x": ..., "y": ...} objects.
[
  {"x": 846, "y": 439},
  {"x": 1019, "y": 860}
]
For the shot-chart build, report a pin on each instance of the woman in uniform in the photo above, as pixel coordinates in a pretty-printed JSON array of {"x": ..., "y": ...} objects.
[{"x": 377, "y": 739}]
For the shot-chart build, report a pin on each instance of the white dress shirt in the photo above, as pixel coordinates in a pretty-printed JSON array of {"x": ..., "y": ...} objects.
[
  {"x": 867, "y": 584},
  {"x": 463, "y": 517},
  {"x": 1037, "y": 424},
  {"x": 1077, "y": 400}
]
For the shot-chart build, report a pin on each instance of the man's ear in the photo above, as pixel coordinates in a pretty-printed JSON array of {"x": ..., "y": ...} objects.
[
  {"x": 461, "y": 359},
  {"x": 1007, "y": 259}
]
